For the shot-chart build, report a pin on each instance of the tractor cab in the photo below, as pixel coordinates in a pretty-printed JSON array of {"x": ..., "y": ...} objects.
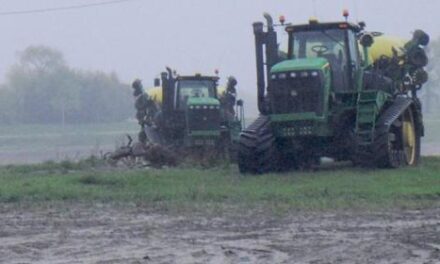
[
  {"x": 197, "y": 90},
  {"x": 329, "y": 45},
  {"x": 323, "y": 64}
]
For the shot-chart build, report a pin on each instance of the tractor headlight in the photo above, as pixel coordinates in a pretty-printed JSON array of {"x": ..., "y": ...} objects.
[
  {"x": 293, "y": 74},
  {"x": 314, "y": 74},
  {"x": 274, "y": 76},
  {"x": 205, "y": 107},
  {"x": 282, "y": 76},
  {"x": 197, "y": 106},
  {"x": 191, "y": 107},
  {"x": 293, "y": 93},
  {"x": 304, "y": 74}
]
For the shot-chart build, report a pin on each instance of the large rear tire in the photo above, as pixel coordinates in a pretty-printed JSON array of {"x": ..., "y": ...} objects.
[
  {"x": 412, "y": 137},
  {"x": 395, "y": 145},
  {"x": 257, "y": 151},
  {"x": 398, "y": 146}
]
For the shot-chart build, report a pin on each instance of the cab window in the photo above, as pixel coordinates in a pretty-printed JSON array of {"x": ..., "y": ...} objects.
[
  {"x": 193, "y": 88},
  {"x": 354, "y": 49},
  {"x": 328, "y": 44}
]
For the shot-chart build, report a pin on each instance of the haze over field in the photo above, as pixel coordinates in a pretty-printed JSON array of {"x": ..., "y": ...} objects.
[{"x": 138, "y": 38}]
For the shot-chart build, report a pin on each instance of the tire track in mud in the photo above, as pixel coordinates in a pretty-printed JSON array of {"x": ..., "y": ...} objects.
[{"x": 127, "y": 234}]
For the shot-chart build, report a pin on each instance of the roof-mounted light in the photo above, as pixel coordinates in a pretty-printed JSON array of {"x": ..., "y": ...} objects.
[
  {"x": 313, "y": 20},
  {"x": 282, "y": 20},
  {"x": 346, "y": 14}
]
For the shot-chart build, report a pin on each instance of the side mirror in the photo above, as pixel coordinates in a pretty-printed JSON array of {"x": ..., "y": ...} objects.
[
  {"x": 367, "y": 40},
  {"x": 156, "y": 82},
  {"x": 240, "y": 102}
]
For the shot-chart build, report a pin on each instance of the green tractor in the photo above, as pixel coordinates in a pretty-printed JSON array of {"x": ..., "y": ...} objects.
[
  {"x": 194, "y": 113},
  {"x": 339, "y": 92}
]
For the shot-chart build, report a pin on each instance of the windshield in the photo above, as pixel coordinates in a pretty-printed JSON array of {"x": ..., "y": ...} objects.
[
  {"x": 327, "y": 44},
  {"x": 330, "y": 45},
  {"x": 194, "y": 88}
]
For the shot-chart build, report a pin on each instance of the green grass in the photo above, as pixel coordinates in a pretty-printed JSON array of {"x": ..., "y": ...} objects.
[{"x": 346, "y": 188}]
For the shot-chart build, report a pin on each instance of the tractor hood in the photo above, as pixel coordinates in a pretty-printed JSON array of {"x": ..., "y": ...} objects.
[
  {"x": 203, "y": 101},
  {"x": 300, "y": 64}
]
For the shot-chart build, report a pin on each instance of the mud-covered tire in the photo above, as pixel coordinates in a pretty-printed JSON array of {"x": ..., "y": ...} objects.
[
  {"x": 257, "y": 152},
  {"x": 388, "y": 149},
  {"x": 384, "y": 155}
]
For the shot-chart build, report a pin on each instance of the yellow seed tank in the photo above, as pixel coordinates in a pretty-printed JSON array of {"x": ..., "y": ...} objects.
[{"x": 384, "y": 45}]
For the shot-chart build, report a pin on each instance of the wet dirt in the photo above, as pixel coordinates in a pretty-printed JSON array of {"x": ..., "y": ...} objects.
[{"x": 132, "y": 234}]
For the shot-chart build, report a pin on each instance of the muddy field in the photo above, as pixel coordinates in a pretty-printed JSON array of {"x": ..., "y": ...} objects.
[{"x": 115, "y": 234}]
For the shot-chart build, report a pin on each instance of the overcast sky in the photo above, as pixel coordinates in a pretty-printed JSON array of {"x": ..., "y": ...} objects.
[{"x": 138, "y": 38}]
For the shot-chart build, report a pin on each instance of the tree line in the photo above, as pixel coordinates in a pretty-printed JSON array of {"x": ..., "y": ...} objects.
[{"x": 41, "y": 88}]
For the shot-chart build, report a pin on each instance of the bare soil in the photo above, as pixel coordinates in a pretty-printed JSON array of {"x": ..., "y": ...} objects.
[{"x": 132, "y": 234}]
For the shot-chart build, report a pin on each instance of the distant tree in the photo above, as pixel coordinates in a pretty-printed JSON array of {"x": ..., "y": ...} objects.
[
  {"x": 8, "y": 113},
  {"x": 103, "y": 98},
  {"x": 42, "y": 88},
  {"x": 41, "y": 80},
  {"x": 41, "y": 59}
]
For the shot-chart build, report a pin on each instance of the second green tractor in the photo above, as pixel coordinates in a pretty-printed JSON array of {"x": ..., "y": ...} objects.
[{"x": 192, "y": 113}]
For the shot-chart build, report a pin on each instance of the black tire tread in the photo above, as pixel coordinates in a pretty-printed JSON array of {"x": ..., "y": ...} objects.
[
  {"x": 379, "y": 153},
  {"x": 256, "y": 151}
]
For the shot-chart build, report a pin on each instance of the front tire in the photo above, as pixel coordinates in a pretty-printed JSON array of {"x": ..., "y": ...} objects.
[{"x": 257, "y": 151}]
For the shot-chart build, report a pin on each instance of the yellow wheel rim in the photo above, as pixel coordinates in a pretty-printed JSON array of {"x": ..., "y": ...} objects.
[{"x": 409, "y": 138}]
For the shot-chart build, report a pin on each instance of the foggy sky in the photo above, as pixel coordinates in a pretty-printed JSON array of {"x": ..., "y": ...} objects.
[{"x": 138, "y": 38}]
